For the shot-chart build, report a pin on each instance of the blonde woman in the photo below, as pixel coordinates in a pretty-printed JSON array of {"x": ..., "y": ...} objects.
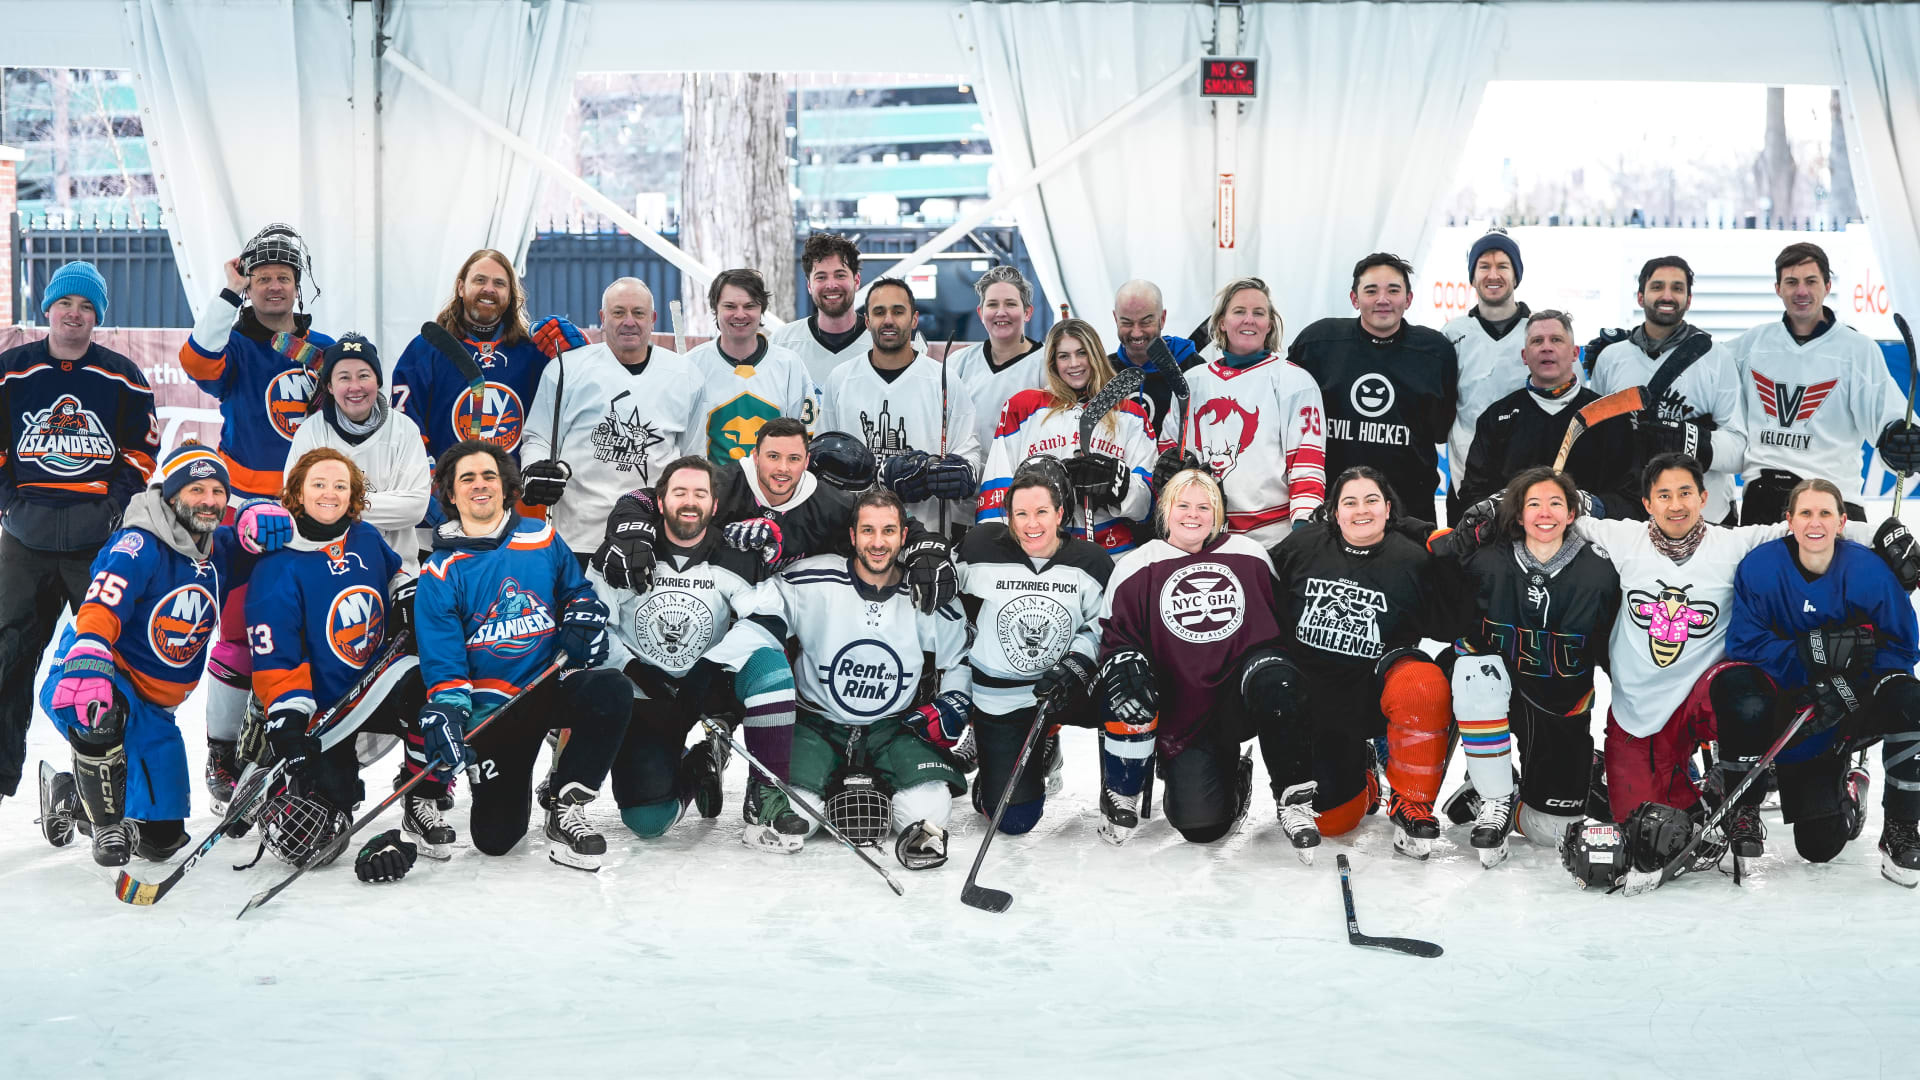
[
  {"x": 1112, "y": 475},
  {"x": 1256, "y": 422},
  {"x": 1189, "y": 637}
]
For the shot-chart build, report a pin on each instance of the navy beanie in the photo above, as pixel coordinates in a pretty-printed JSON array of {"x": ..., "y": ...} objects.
[{"x": 1496, "y": 241}]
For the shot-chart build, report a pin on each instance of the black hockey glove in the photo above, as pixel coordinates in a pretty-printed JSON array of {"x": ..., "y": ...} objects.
[
  {"x": 1895, "y": 545},
  {"x": 385, "y": 858},
  {"x": 906, "y": 476},
  {"x": 583, "y": 631},
  {"x": 1846, "y": 650},
  {"x": 625, "y": 558},
  {"x": 1066, "y": 682},
  {"x": 1899, "y": 446},
  {"x": 949, "y": 476},
  {"x": 759, "y": 534},
  {"x": 400, "y": 607},
  {"x": 1132, "y": 697},
  {"x": 1605, "y": 338},
  {"x": 1833, "y": 699},
  {"x": 443, "y": 737},
  {"x": 545, "y": 481},
  {"x": 930, "y": 575},
  {"x": 1476, "y": 529},
  {"x": 287, "y": 734},
  {"x": 1101, "y": 479},
  {"x": 1170, "y": 463},
  {"x": 1693, "y": 438}
]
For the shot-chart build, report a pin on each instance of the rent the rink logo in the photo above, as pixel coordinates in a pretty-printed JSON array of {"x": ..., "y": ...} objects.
[{"x": 866, "y": 678}]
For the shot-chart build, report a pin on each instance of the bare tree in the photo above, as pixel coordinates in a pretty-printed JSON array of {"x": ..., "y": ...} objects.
[
  {"x": 1776, "y": 160},
  {"x": 736, "y": 199},
  {"x": 1846, "y": 205}
]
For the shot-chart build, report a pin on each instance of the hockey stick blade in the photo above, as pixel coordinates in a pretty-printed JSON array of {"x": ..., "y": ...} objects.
[
  {"x": 1125, "y": 383},
  {"x": 130, "y": 890},
  {"x": 454, "y": 351},
  {"x": 1409, "y": 946},
  {"x": 972, "y": 893},
  {"x": 1618, "y": 403},
  {"x": 339, "y": 843},
  {"x": 1162, "y": 360}
]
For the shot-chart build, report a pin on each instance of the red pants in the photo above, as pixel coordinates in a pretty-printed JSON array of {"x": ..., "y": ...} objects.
[{"x": 1654, "y": 768}]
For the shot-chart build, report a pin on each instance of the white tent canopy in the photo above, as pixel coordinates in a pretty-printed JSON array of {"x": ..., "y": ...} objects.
[{"x": 1354, "y": 140}]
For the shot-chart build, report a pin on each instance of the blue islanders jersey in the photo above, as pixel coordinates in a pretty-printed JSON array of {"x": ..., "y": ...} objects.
[
  {"x": 156, "y": 609},
  {"x": 317, "y": 616},
  {"x": 436, "y": 396},
  {"x": 487, "y": 614},
  {"x": 264, "y": 383}
]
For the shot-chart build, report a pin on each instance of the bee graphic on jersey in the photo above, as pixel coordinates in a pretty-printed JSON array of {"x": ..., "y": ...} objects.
[
  {"x": 65, "y": 439},
  {"x": 180, "y": 624},
  {"x": 884, "y": 437},
  {"x": 515, "y": 622},
  {"x": 288, "y": 395},
  {"x": 624, "y": 440},
  {"x": 1225, "y": 430},
  {"x": 1670, "y": 619},
  {"x": 355, "y": 625},
  {"x": 501, "y": 409}
]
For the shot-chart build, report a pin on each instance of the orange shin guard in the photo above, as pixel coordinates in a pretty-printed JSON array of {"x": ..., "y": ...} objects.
[
  {"x": 1343, "y": 818},
  {"x": 1417, "y": 703}
]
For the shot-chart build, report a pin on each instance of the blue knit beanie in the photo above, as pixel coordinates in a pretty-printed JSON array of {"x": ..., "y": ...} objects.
[
  {"x": 186, "y": 464},
  {"x": 1496, "y": 241},
  {"x": 78, "y": 279}
]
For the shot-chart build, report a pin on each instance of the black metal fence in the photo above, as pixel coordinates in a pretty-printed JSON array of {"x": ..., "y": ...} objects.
[{"x": 143, "y": 284}]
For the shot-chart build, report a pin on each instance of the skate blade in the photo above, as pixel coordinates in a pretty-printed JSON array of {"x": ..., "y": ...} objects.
[
  {"x": 436, "y": 852},
  {"x": 1902, "y": 876},
  {"x": 1305, "y": 855},
  {"x": 562, "y": 855},
  {"x": 767, "y": 838},
  {"x": 1412, "y": 848},
  {"x": 1493, "y": 856}
]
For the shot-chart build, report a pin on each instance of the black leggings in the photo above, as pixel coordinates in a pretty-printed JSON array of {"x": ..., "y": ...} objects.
[{"x": 593, "y": 703}]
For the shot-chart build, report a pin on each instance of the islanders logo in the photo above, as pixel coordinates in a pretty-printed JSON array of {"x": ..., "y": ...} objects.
[
  {"x": 64, "y": 439},
  {"x": 180, "y": 625},
  {"x": 288, "y": 395},
  {"x": 500, "y": 414},
  {"x": 355, "y": 625},
  {"x": 515, "y": 624}
]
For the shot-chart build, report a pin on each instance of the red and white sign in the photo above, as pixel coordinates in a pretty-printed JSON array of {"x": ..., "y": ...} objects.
[{"x": 1224, "y": 211}]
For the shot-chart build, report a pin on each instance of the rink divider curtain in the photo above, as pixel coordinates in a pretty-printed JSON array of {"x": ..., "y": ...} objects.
[{"x": 1877, "y": 49}]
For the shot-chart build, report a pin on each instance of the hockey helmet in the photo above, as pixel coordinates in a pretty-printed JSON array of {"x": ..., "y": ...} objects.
[
  {"x": 277, "y": 243},
  {"x": 842, "y": 461},
  {"x": 1054, "y": 473},
  {"x": 294, "y": 827}
]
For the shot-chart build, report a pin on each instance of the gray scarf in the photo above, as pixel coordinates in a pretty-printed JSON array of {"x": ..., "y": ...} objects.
[
  {"x": 1570, "y": 544},
  {"x": 1638, "y": 336}
]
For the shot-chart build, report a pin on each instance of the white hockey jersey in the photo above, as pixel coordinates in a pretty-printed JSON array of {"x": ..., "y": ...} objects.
[
  {"x": 1709, "y": 387},
  {"x": 738, "y": 398},
  {"x": 1026, "y": 618},
  {"x": 1029, "y": 425},
  {"x": 861, "y": 649},
  {"x": 399, "y": 476},
  {"x": 1261, "y": 431},
  {"x": 1490, "y": 369},
  {"x": 617, "y": 430},
  {"x": 698, "y": 607},
  {"x": 990, "y": 389},
  {"x": 894, "y": 417},
  {"x": 1673, "y": 617},
  {"x": 821, "y": 361},
  {"x": 1809, "y": 407}
]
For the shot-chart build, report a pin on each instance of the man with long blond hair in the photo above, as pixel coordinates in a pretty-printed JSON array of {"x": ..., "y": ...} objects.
[
  {"x": 1112, "y": 475},
  {"x": 488, "y": 314}
]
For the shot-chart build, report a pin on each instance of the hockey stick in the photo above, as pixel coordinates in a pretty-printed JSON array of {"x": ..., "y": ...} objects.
[
  {"x": 1618, "y": 403},
  {"x": 946, "y": 352},
  {"x": 1677, "y": 865},
  {"x": 1410, "y": 946},
  {"x": 454, "y": 351},
  {"x": 1124, "y": 384},
  {"x": 257, "y": 784},
  {"x": 1162, "y": 360},
  {"x": 339, "y": 843},
  {"x": 1913, "y": 376},
  {"x": 979, "y": 896},
  {"x": 679, "y": 332},
  {"x": 717, "y": 728}
]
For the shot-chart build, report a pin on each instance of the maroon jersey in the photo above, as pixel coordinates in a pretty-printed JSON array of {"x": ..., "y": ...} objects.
[{"x": 1195, "y": 617}]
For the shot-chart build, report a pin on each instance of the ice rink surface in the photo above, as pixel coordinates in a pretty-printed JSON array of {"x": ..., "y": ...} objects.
[{"x": 694, "y": 956}]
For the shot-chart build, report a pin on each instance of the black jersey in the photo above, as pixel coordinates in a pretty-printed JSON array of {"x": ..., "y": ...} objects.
[
  {"x": 1389, "y": 401},
  {"x": 1551, "y": 628},
  {"x": 1523, "y": 429},
  {"x": 1344, "y": 607}
]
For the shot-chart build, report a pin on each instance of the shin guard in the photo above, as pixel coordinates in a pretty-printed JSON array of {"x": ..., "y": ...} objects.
[
  {"x": 1480, "y": 696},
  {"x": 1415, "y": 700}
]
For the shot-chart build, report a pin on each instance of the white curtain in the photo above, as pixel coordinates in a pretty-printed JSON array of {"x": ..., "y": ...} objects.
[
  {"x": 1353, "y": 142},
  {"x": 246, "y": 113},
  {"x": 446, "y": 187},
  {"x": 1878, "y": 52}
]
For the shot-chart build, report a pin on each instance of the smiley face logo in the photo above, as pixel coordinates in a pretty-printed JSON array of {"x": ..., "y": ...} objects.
[{"x": 1372, "y": 395}]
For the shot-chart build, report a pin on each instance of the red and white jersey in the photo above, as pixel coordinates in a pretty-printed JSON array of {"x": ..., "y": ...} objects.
[
  {"x": 1810, "y": 406},
  {"x": 1031, "y": 425},
  {"x": 1261, "y": 431}
]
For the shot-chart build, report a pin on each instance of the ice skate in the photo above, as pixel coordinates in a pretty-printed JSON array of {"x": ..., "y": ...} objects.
[
  {"x": 223, "y": 771},
  {"x": 1298, "y": 819},
  {"x": 1056, "y": 764},
  {"x": 1414, "y": 828},
  {"x": 574, "y": 842},
  {"x": 425, "y": 825},
  {"x": 1900, "y": 852},
  {"x": 1853, "y": 799},
  {"x": 113, "y": 844},
  {"x": 1119, "y": 816},
  {"x": 1490, "y": 828},
  {"x": 699, "y": 780},
  {"x": 772, "y": 824},
  {"x": 59, "y": 800},
  {"x": 1463, "y": 805}
]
